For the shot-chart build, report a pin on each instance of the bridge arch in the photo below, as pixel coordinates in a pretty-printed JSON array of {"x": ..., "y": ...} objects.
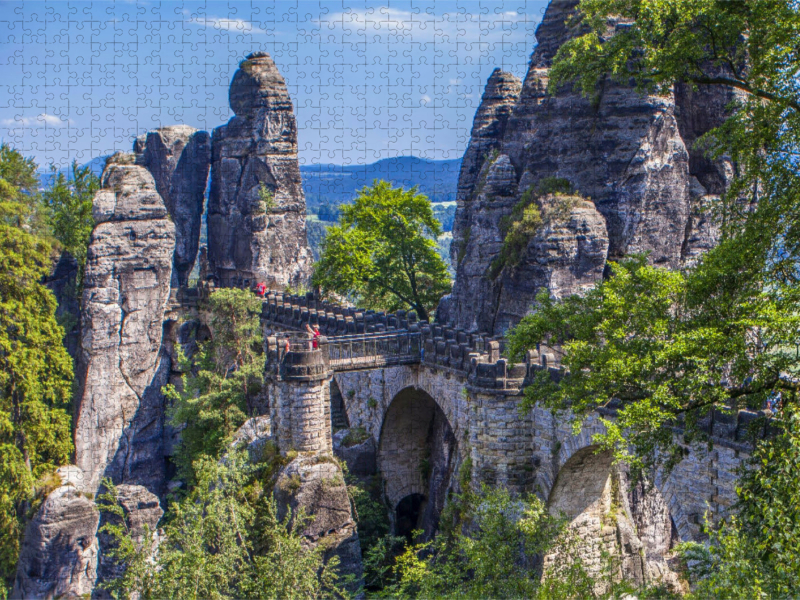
[
  {"x": 418, "y": 454},
  {"x": 632, "y": 524}
]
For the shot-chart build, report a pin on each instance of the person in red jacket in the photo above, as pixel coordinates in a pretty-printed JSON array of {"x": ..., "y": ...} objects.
[
  {"x": 261, "y": 289},
  {"x": 314, "y": 335}
]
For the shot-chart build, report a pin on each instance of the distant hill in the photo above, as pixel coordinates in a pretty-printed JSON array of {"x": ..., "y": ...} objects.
[{"x": 335, "y": 184}]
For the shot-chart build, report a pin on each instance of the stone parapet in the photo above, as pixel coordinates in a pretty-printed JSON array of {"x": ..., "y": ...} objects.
[{"x": 473, "y": 356}]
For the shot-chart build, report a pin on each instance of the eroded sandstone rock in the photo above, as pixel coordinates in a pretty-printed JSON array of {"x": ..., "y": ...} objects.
[
  {"x": 58, "y": 558},
  {"x": 178, "y": 157},
  {"x": 632, "y": 155},
  {"x": 126, "y": 288},
  {"x": 359, "y": 453},
  {"x": 254, "y": 156},
  {"x": 315, "y": 485}
]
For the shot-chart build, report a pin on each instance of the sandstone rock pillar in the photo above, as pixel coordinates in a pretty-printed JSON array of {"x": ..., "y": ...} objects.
[
  {"x": 126, "y": 289},
  {"x": 178, "y": 158},
  {"x": 256, "y": 206}
]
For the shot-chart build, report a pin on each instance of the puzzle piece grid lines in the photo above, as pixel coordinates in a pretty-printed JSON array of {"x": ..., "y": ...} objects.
[{"x": 368, "y": 81}]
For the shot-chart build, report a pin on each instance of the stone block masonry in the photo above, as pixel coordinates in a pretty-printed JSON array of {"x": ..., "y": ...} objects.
[
  {"x": 460, "y": 389},
  {"x": 299, "y": 392}
]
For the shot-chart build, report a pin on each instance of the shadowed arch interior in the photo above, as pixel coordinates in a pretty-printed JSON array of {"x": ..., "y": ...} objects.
[{"x": 417, "y": 453}]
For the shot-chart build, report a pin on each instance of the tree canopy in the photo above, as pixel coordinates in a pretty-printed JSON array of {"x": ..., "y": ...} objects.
[
  {"x": 218, "y": 379},
  {"x": 383, "y": 252},
  {"x": 223, "y": 540},
  {"x": 69, "y": 207},
  {"x": 724, "y": 334},
  {"x": 35, "y": 369},
  {"x": 666, "y": 348}
]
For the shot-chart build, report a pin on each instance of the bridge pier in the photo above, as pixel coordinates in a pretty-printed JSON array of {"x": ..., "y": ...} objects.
[{"x": 299, "y": 392}]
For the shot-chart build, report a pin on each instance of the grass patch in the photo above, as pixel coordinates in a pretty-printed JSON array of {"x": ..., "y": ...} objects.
[
  {"x": 354, "y": 437},
  {"x": 528, "y": 217}
]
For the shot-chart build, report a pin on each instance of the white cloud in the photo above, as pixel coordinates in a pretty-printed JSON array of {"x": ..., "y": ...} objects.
[
  {"x": 425, "y": 99},
  {"x": 386, "y": 23},
  {"x": 226, "y": 24},
  {"x": 42, "y": 120}
]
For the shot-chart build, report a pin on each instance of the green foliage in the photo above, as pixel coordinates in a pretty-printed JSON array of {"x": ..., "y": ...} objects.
[
  {"x": 372, "y": 518},
  {"x": 527, "y": 217},
  {"x": 219, "y": 379},
  {"x": 488, "y": 554},
  {"x": 725, "y": 334},
  {"x": 383, "y": 252},
  {"x": 19, "y": 194},
  {"x": 223, "y": 540},
  {"x": 266, "y": 199},
  {"x": 755, "y": 554},
  {"x": 641, "y": 339},
  {"x": 667, "y": 348},
  {"x": 69, "y": 208},
  {"x": 355, "y": 436},
  {"x": 35, "y": 369}
]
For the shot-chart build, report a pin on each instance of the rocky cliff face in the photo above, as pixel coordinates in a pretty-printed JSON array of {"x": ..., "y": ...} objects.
[
  {"x": 58, "y": 557},
  {"x": 629, "y": 155},
  {"x": 126, "y": 287},
  {"x": 178, "y": 158},
  {"x": 256, "y": 209},
  {"x": 314, "y": 485}
]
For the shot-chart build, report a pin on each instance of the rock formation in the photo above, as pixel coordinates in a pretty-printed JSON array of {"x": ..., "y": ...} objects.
[
  {"x": 58, "y": 558},
  {"x": 178, "y": 158},
  {"x": 256, "y": 208},
  {"x": 630, "y": 155},
  {"x": 315, "y": 485},
  {"x": 126, "y": 288}
]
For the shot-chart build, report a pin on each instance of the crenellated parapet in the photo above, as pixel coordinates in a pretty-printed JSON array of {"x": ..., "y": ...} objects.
[
  {"x": 472, "y": 355},
  {"x": 475, "y": 358}
]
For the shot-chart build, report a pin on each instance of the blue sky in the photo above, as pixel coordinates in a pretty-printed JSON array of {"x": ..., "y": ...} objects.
[{"x": 368, "y": 80}]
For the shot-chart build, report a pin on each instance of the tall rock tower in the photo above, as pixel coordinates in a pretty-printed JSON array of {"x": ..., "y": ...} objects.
[
  {"x": 178, "y": 158},
  {"x": 640, "y": 183},
  {"x": 256, "y": 208}
]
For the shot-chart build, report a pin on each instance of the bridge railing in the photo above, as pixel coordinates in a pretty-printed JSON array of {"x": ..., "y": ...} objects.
[{"x": 349, "y": 352}]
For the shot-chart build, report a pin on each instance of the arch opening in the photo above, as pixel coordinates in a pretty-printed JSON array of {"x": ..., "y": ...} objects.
[
  {"x": 417, "y": 455},
  {"x": 407, "y": 515}
]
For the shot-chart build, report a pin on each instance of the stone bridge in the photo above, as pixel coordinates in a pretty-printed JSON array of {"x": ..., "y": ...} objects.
[{"x": 442, "y": 408}]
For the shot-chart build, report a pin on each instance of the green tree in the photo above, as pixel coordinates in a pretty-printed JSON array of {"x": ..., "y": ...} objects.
[
  {"x": 725, "y": 334},
  {"x": 664, "y": 348},
  {"x": 490, "y": 552},
  {"x": 218, "y": 380},
  {"x": 754, "y": 554},
  {"x": 35, "y": 369},
  {"x": 383, "y": 251},
  {"x": 223, "y": 540},
  {"x": 23, "y": 202},
  {"x": 69, "y": 208}
]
